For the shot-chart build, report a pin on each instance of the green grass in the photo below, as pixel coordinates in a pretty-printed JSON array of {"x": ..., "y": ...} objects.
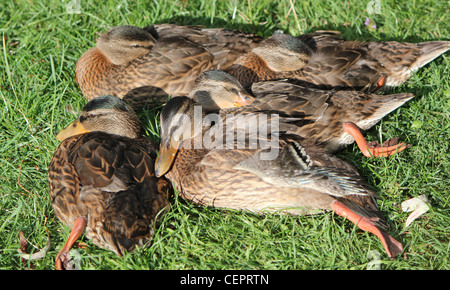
[{"x": 40, "y": 45}]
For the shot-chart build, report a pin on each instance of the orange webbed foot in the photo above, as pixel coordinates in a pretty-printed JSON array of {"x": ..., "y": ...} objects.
[
  {"x": 63, "y": 258},
  {"x": 373, "y": 149},
  {"x": 388, "y": 148},
  {"x": 392, "y": 247}
]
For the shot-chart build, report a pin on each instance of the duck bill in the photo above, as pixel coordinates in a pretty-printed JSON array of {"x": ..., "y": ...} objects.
[
  {"x": 73, "y": 129},
  {"x": 165, "y": 159},
  {"x": 243, "y": 100}
]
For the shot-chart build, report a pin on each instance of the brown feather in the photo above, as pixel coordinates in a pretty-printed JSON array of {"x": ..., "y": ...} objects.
[{"x": 109, "y": 181}]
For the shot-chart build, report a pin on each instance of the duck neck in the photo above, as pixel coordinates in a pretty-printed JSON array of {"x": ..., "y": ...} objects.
[
  {"x": 251, "y": 68},
  {"x": 91, "y": 72}
]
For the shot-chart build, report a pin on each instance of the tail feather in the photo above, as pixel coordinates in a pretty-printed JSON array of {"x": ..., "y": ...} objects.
[
  {"x": 367, "y": 109},
  {"x": 402, "y": 59},
  {"x": 429, "y": 51},
  {"x": 380, "y": 107}
]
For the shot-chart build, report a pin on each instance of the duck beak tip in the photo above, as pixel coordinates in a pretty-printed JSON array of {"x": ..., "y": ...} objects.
[
  {"x": 164, "y": 160},
  {"x": 75, "y": 128}
]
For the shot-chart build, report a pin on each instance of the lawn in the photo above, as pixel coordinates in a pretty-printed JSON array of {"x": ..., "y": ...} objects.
[{"x": 41, "y": 42}]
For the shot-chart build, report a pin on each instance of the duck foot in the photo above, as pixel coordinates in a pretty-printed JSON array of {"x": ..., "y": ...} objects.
[
  {"x": 391, "y": 246},
  {"x": 63, "y": 258},
  {"x": 374, "y": 149}
]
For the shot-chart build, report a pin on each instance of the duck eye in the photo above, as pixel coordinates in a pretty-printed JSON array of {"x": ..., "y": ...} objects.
[{"x": 91, "y": 116}]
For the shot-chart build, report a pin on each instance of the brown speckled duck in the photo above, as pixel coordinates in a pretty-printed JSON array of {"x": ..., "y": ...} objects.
[
  {"x": 324, "y": 60},
  {"x": 226, "y": 44},
  {"x": 290, "y": 175},
  {"x": 158, "y": 60},
  {"x": 102, "y": 179},
  {"x": 330, "y": 118}
]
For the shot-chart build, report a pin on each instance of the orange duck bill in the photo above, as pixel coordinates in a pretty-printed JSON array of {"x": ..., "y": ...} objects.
[
  {"x": 243, "y": 100},
  {"x": 75, "y": 128},
  {"x": 165, "y": 158}
]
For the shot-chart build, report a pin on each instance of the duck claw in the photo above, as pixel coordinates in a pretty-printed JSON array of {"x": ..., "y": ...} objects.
[
  {"x": 61, "y": 260},
  {"x": 64, "y": 261}
]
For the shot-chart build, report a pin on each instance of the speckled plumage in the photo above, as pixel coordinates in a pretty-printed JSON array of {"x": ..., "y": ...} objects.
[
  {"x": 302, "y": 178},
  {"x": 168, "y": 63},
  {"x": 107, "y": 180},
  {"x": 110, "y": 181},
  {"x": 329, "y": 118},
  {"x": 322, "y": 113},
  {"x": 336, "y": 63},
  {"x": 226, "y": 44}
]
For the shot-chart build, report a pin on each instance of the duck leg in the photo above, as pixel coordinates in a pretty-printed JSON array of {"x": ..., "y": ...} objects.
[
  {"x": 374, "y": 149},
  {"x": 75, "y": 233},
  {"x": 391, "y": 246}
]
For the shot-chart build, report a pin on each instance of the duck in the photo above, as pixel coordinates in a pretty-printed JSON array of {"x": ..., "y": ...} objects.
[
  {"x": 283, "y": 173},
  {"x": 330, "y": 118},
  {"x": 132, "y": 63},
  {"x": 229, "y": 44},
  {"x": 102, "y": 181},
  {"x": 324, "y": 60}
]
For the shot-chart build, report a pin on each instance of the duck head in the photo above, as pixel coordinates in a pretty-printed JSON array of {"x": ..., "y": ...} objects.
[
  {"x": 106, "y": 114},
  {"x": 283, "y": 52},
  {"x": 122, "y": 44},
  {"x": 182, "y": 116},
  {"x": 215, "y": 90}
]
